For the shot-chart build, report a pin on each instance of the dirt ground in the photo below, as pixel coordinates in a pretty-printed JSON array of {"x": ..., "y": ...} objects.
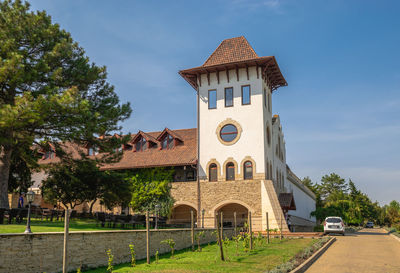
[{"x": 369, "y": 250}]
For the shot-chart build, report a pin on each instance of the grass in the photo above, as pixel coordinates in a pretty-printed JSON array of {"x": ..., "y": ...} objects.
[
  {"x": 393, "y": 231},
  {"x": 47, "y": 226},
  {"x": 264, "y": 257}
]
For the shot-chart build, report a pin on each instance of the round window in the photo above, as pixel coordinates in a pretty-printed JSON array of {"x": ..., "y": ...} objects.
[{"x": 228, "y": 133}]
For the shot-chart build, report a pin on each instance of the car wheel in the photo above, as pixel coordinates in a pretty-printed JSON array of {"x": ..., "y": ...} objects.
[{"x": 343, "y": 234}]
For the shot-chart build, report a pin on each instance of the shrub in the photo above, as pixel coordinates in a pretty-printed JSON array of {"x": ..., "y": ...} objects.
[
  {"x": 171, "y": 244},
  {"x": 198, "y": 237},
  {"x": 237, "y": 239},
  {"x": 110, "y": 261},
  {"x": 133, "y": 254},
  {"x": 246, "y": 242}
]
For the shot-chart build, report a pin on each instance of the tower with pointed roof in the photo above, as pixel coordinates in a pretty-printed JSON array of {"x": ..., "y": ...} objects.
[{"x": 236, "y": 144}]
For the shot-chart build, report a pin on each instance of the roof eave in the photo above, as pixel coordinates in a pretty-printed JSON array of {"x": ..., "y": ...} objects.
[{"x": 191, "y": 74}]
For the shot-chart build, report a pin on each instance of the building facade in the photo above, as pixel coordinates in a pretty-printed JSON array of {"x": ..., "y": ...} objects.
[{"x": 235, "y": 160}]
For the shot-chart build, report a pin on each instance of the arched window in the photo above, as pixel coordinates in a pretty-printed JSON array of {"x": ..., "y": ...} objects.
[
  {"x": 248, "y": 170},
  {"x": 268, "y": 136},
  {"x": 270, "y": 170},
  {"x": 213, "y": 172},
  {"x": 230, "y": 171}
]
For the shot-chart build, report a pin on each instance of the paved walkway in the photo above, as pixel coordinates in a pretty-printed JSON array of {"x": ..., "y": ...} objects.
[{"x": 369, "y": 250}]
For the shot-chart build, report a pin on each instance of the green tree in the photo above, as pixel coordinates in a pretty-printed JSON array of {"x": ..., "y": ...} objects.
[
  {"x": 308, "y": 183},
  {"x": 151, "y": 187},
  {"x": 75, "y": 181},
  {"x": 49, "y": 90},
  {"x": 332, "y": 187},
  {"x": 118, "y": 190},
  {"x": 393, "y": 212},
  {"x": 23, "y": 161}
]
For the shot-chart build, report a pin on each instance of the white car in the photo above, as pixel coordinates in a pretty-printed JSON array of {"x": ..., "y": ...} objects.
[{"x": 333, "y": 224}]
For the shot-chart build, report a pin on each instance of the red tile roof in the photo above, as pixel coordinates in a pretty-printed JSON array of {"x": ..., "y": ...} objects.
[
  {"x": 185, "y": 153},
  {"x": 236, "y": 53},
  {"x": 231, "y": 50}
]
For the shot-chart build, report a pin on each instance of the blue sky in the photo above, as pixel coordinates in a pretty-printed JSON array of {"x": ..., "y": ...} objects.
[{"x": 341, "y": 110}]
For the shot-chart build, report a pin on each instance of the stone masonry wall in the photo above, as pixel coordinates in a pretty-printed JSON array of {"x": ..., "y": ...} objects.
[{"x": 42, "y": 252}]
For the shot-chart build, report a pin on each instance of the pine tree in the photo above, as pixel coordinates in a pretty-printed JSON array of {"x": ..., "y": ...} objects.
[{"x": 49, "y": 90}]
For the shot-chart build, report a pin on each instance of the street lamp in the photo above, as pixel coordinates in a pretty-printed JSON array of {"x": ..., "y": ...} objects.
[
  {"x": 30, "y": 196},
  {"x": 157, "y": 208},
  {"x": 203, "y": 211}
]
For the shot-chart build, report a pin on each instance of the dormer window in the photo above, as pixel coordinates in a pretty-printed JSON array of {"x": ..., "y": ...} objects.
[
  {"x": 169, "y": 139},
  {"x": 167, "y": 142},
  {"x": 141, "y": 145}
]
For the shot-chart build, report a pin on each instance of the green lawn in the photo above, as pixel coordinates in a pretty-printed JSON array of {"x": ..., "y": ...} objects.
[
  {"x": 264, "y": 257},
  {"x": 47, "y": 226}
]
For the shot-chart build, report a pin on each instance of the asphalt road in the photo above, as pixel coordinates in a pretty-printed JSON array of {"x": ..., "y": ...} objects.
[{"x": 369, "y": 250}]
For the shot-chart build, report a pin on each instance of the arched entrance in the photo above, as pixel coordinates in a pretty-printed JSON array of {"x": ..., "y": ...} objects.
[
  {"x": 228, "y": 214},
  {"x": 181, "y": 215}
]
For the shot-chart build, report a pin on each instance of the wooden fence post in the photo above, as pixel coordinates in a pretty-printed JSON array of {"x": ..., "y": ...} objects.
[
  {"x": 281, "y": 227},
  {"x": 221, "y": 248},
  {"x": 222, "y": 225},
  {"x": 267, "y": 228},
  {"x": 147, "y": 237},
  {"x": 66, "y": 235},
  {"x": 250, "y": 231},
  {"x": 192, "y": 228},
  {"x": 235, "y": 223}
]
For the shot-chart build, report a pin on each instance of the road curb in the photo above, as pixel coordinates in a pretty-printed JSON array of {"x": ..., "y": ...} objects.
[
  {"x": 307, "y": 263},
  {"x": 396, "y": 237}
]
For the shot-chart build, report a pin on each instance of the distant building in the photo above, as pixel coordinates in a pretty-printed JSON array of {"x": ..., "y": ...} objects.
[{"x": 236, "y": 161}]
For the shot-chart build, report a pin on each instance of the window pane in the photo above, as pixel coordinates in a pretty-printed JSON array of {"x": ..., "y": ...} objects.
[
  {"x": 248, "y": 170},
  {"x": 164, "y": 143},
  {"x": 213, "y": 172},
  {"x": 144, "y": 146},
  {"x": 230, "y": 171},
  {"x": 228, "y": 133},
  {"x": 229, "y": 96},
  {"x": 212, "y": 99},
  {"x": 246, "y": 94},
  {"x": 170, "y": 142}
]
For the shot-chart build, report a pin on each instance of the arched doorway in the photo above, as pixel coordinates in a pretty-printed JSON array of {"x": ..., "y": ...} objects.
[
  {"x": 181, "y": 216},
  {"x": 228, "y": 214}
]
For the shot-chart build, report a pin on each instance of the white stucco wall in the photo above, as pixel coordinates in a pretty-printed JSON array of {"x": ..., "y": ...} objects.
[
  {"x": 250, "y": 117},
  {"x": 304, "y": 203}
]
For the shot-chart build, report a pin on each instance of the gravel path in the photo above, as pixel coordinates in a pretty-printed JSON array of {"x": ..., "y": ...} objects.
[{"x": 369, "y": 250}]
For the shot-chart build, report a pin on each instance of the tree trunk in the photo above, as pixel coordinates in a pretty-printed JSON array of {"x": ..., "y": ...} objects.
[
  {"x": 5, "y": 162},
  {"x": 91, "y": 206}
]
